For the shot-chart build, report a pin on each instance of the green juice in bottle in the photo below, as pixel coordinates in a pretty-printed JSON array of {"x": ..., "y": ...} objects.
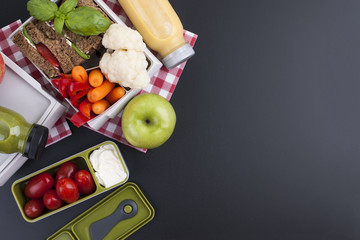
[{"x": 17, "y": 135}]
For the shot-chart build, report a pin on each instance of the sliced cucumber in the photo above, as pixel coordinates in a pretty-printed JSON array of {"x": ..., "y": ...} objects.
[
  {"x": 83, "y": 55},
  {"x": 27, "y": 35}
]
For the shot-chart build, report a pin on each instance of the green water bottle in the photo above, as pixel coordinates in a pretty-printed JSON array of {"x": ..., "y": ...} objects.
[{"x": 17, "y": 135}]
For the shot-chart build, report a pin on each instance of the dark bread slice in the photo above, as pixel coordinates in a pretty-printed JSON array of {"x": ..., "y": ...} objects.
[
  {"x": 50, "y": 33},
  {"x": 86, "y": 44},
  {"x": 33, "y": 55},
  {"x": 40, "y": 32}
]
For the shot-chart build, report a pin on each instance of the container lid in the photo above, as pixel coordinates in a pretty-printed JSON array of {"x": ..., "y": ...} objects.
[
  {"x": 36, "y": 141},
  {"x": 106, "y": 215},
  {"x": 178, "y": 56}
]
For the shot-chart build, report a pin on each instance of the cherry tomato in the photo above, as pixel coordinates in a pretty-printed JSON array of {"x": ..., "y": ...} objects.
[
  {"x": 38, "y": 185},
  {"x": 66, "y": 170},
  {"x": 84, "y": 181},
  {"x": 34, "y": 208},
  {"x": 51, "y": 200},
  {"x": 67, "y": 190}
]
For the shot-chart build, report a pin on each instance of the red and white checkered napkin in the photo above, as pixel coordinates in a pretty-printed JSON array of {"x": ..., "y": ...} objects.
[
  {"x": 163, "y": 83},
  {"x": 61, "y": 128}
]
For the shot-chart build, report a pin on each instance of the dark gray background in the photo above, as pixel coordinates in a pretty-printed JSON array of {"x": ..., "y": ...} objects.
[{"x": 267, "y": 142}]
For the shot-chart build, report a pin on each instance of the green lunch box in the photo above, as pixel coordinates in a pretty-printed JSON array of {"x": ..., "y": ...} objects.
[
  {"x": 105, "y": 221},
  {"x": 82, "y": 161}
]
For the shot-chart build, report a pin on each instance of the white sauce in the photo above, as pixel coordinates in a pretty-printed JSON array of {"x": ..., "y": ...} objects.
[{"x": 108, "y": 168}]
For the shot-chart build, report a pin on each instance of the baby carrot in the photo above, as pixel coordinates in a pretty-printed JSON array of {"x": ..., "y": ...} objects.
[
  {"x": 115, "y": 94},
  {"x": 79, "y": 74},
  {"x": 98, "y": 93},
  {"x": 96, "y": 78},
  {"x": 100, "y": 106}
]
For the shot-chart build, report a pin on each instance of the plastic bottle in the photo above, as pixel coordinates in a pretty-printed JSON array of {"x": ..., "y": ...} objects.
[
  {"x": 160, "y": 28},
  {"x": 17, "y": 135}
]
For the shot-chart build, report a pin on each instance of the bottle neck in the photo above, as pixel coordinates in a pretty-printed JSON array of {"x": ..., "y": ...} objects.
[
  {"x": 36, "y": 141},
  {"x": 171, "y": 45},
  {"x": 13, "y": 138},
  {"x": 14, "y": 131},
  {"x": 24, "y": 138}
]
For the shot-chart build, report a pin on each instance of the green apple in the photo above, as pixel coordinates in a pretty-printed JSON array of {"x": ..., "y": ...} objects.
[{"x": 148, "y": 121}]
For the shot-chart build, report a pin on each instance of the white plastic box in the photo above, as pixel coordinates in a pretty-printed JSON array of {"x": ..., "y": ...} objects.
[
  {"x": 23, "y": 94},
  {"x": 154, "y": 67}
]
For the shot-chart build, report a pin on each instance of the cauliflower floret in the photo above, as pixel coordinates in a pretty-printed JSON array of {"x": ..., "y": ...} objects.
[
  {"x": 123, "y": 37},
  {"x": 126, "y": 67},
  {"x": 127, "y": 64}
]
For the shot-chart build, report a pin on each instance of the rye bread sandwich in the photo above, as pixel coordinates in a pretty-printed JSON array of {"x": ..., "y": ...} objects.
[{"x": 55, "y": 49}]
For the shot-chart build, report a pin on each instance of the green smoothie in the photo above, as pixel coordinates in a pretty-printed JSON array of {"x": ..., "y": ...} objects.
[
  {"x": 14, "y": 130},
  {"x": 17, "y": 135}
]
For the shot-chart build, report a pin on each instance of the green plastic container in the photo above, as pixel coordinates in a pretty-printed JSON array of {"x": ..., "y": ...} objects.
[
  {"x": 82, "y": 161},
  {"x": 64, "y": 235},
  {"x": 79, "y": 228}
]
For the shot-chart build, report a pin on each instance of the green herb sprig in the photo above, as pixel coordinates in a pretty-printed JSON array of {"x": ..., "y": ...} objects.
[{"x": 84, "y": 20}]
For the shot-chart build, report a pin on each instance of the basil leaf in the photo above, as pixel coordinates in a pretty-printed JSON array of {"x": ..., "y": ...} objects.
[
  {"x": 27, "y": 35},
  {"x": 59, "y": 24},
  {"x": 86, "y": 21},
  {"x": 68, "y": 6},
  {"x": 43, "y": 10}
]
